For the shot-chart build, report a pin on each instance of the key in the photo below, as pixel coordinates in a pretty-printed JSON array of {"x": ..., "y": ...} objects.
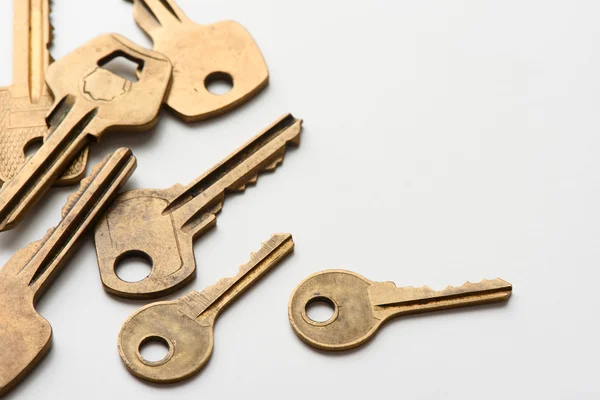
[
  {"x": 361, "y": 306},
  {"x": 24, "y": 105},
  {"x": 25, "y": 336},
  {"x": 90, "y": 101},
  {"x": 186, "y": 325},
  {"x": 201, "y": 55},
  {"x": 161, "y": 225}
]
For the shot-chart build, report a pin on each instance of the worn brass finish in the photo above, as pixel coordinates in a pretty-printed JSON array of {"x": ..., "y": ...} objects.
[
  {"x": 362, "y": 306},
  {"x": 161, "y": 225},
  {"x": 90, "y": 101},
  {"x": 25, "y": 336},
  {"x": 201, "y": 53},
  {"x": 187, "y": 324},
  {"x": 24, "y": 105}
]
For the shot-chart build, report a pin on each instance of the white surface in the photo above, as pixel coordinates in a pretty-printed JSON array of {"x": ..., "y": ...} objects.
[{"x": 443, "y": 142}]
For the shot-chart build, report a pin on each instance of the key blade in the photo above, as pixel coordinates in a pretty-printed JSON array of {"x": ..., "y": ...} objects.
[
  {"x": 264, "y": 152},
  {"x": 405, "y": 300},
  {"x": 25, "y": 336},
  {"x": 209, "y": 303},
  {"x": 31, "y": 39}
]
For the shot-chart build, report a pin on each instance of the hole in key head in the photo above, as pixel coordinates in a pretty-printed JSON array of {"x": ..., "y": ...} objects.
[
  {"x": 155, "y": 350},
  {"x": 133, "y": 266},
  {"x": 219, "y": 83},
  {"x": 33, "y": 146},
  {"x": 123, "y": 65},
  {"x": 321, "y": 309}
]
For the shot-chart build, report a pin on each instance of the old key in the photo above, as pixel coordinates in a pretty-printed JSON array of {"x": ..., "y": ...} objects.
[
  {"x": 186, "y": 325},
  {"x": 201, "y": 55},
  {"x": 90, "y": 101},
  {"x": 24, "y": 105},
  {"x": 25, "y": 336},
  {"x": 161, "y": 225},
  {"x": 361, "y": 306}
]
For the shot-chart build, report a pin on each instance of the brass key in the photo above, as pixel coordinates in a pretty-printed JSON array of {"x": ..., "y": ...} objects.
[
  {"x": 186, "y": 325},
  {"x": 90, "y": 101},
  {"x": 202, "y": 54},
  {"x": 24, "y": 105},
  {"x": 361, "y": 306},
  {"x": 25, "y": 336},
  {"x": 161, "y": 225}
]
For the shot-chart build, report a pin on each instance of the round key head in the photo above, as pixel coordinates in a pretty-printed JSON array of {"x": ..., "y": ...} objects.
[
  {"x": 352, "y": 322},
  {"x": 190, "y": 342},
  {"x": 117, "y": 101}
]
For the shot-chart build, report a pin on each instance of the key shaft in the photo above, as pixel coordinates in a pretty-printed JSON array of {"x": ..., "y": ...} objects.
[
  {"x": 161, "y": 225},
  {"x": 25, "y": 336},
  {"x": 187, "y": 325}
]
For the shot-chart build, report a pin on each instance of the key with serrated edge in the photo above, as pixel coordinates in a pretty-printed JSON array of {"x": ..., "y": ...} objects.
[
  {"x": 361, "y": 306},
  {"x": 202, "y": 54},
  {"x": 186, "y": 325},
  {"x": 24, "y": 105},
  {"x": 25, "y": 336},
  {"x": 90, "y": 101},
  {"x": 161, "y": 225}
]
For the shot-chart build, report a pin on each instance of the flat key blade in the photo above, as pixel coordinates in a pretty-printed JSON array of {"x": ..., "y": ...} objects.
[
  {"x": 186, "y": 325},
  {"x": 25, "y": 336}
]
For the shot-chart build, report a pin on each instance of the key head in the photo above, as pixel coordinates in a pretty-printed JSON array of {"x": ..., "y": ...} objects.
[
  {"x": 190, "y": 342},
  {"x": 25, "y": 336},
  {"x": 353, "y": 321},
  {"x": 135, "y": 226},
  {"x": 118, "y": 102},
  {"x": 202, "y": 54}
]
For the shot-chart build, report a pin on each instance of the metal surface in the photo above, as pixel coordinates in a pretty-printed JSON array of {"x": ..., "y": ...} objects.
[
  {"x": 90, "y": 101},
  {"x": 187, "y": 325},
  {"x": 201, "y": 54},
  {"x": 361, "y": 306},
  {"x": 24, "y": 105},
  {"x": 161, "y": 225},
  {"x": 25, "y": 336}
]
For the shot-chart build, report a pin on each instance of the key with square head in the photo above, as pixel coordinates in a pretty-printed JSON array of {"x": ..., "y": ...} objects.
[
  {"x": 361, "y": 306},
  {"x": 24, "y": 105},
  {"x": 25, "y": 336},
  {"x": 90, "y": 101},
  {"x": 201, "y": 55},
  {"x": 186, "y": 325},
  {"x": 161, "y": 225}
]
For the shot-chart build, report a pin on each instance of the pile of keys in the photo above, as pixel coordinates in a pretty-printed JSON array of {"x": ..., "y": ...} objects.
[{"x": 68, "y": 105}]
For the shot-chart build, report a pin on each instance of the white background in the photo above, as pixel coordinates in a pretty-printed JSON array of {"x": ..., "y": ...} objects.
[{"x": 444, "y": 141}]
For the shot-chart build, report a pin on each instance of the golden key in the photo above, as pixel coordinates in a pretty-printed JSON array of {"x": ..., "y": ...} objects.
[
  {"x": 25, "y": 336},
  {"x": 89, "y": 101},
  {"x": 361, "y": 306},
  {"x": 186, "y": 325},
  {"x": 24, "y": 105},
  {"x": 161, "y": 225},
  {"x": 201, "y": 55}
]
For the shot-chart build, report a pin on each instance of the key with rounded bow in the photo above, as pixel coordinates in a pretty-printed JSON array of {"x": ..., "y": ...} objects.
[
  {"x": 202, "y": 55},
  {"x": 24, "y": 105},
  {"x": 89, "y": 101},
  {"x": 161, "y": 225},
  {"x": 361, "y": 306},
  {"x": 186, "y": 325},
  {"x": 25, "y": 336}
]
